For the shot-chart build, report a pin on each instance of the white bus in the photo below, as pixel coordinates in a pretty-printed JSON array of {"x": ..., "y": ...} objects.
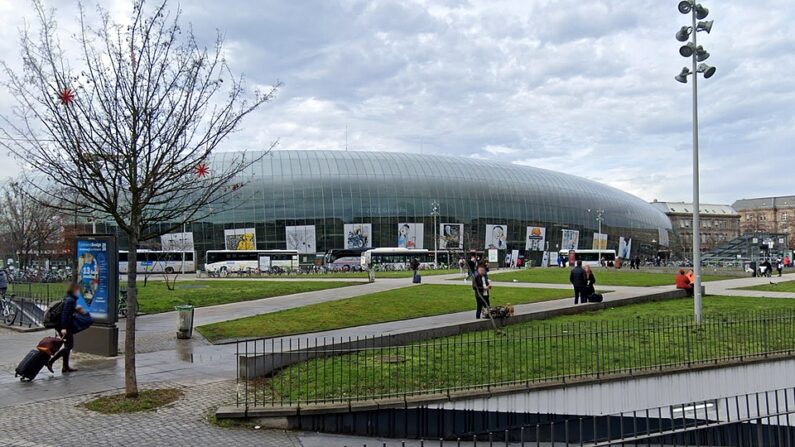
[
  {"x": 396, "y": 258},
  {"x": 224, "y": 262},
  {"x": 155, "y": 261},
  {"x": 590, "y": 257}
]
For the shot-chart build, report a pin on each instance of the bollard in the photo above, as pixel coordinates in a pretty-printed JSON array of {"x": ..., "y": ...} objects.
[{"x": 184, "y": 321}]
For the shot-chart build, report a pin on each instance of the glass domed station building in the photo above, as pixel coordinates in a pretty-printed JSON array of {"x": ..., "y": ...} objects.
[{"x": 316, "y": 201}]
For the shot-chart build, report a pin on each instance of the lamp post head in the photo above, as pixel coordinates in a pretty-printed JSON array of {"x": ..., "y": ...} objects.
[
  {"x": 682, "y": 76},
  {"x": 685, "y": 6},
  {"x": 708, "y": 70},
  {"x": 705, "y": 26},
  {"x": 683, "y": 34}
]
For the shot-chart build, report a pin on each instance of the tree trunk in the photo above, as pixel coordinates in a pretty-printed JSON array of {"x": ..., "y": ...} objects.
[{"x": 130, "y": 378}]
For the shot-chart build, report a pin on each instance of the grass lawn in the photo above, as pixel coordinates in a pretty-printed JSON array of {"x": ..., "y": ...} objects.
[
  {"x": 785, "y": 286},
  {"x": 391, "y": 305},
  {"x": 147, "y": 400},
  {"x": 155, "y": 297},
  {"x": 604, "y": 277},
  {"x": 629, "y": 338}
]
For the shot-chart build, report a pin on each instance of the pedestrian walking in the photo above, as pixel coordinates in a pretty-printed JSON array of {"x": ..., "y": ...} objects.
[
  {"x": 579, "y": 282},
  {"x": 482, "y": 287},
  {"x": 67, "y": 328},
  {"x": 472, "y": 265},
  {"x": 780, "y": 267}
]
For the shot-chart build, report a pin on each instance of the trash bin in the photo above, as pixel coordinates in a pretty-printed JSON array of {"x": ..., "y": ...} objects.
[{"x": 184, "y": 321}]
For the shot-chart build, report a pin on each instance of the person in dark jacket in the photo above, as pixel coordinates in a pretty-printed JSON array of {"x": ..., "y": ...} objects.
[
  {"x": 415, "y": 265},
  {"x": 482, "y": 287},
  {"x": 579, "y": 282},
  {"x": 66, "y": 329}
]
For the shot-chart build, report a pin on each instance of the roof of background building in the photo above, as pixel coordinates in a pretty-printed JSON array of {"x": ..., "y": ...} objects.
[
  {"x": 765, "y": 203},
  {"x": 687, "y": 208}
]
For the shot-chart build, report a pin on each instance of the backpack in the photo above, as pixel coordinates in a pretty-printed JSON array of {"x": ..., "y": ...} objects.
[{"x": 52, "y": 317}]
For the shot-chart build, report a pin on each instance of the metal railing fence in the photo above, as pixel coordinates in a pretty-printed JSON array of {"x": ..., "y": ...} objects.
[{"x": 316, "y": 371}]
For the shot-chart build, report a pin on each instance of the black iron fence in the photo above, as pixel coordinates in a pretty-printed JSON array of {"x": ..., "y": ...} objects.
[
  {"x": 24, "y": 311},
  {"x": 313, "y": 371},
  {"x": 763, "y": 419}
]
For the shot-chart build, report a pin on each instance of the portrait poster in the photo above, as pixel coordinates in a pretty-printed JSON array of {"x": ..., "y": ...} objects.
[
  {"x": 177, "y": 242},
  {"x": 93, "y": 276},
  {"x": 358, "y": 235},
  {"x": 301, "y": 238},
  {"x": 496, "y": 236},
  {"x": 624, "y": 247},
  {"x": 535, "y": 239},
  {"x": 410, "y": 235},
  {"x": 240, "y": 239},
  {"x": 451, "y": 236},
  {"x": 570, "y": 240},
  {"x": 600, "y": 241}
]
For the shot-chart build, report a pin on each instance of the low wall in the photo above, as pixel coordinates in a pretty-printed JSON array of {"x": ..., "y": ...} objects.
[{"x": 261, "y": 364}]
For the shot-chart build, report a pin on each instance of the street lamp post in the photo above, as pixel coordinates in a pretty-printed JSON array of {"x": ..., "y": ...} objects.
[
  {"x": 435, "y": 214},
  {"x": 599, "y": 219},
  {"x": 697, "y": 54}
]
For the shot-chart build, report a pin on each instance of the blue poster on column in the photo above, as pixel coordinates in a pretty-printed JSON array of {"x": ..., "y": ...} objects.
[{"x": 93, "y": 276}]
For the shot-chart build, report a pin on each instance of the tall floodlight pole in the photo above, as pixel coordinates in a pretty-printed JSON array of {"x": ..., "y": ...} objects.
[
  {"x": 435, "y": 214},
  {"x": 599, "y": 219},
  {"x": 697, "y": 54}
]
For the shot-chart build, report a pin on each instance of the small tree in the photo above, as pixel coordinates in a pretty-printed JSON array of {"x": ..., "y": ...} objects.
[
  {"x": 27, "y": 230},
  {"x": 130, "y": 130}
]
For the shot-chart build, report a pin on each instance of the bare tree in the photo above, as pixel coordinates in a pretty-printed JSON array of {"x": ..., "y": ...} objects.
[
  {"x": 132, "y": 128},
  {"x": 27, "y": 230}
]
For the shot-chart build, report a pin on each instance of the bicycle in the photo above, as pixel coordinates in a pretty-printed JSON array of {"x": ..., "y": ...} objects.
[
  {"x": 8, "y": 308},
  {"x": 123, "y": 304}
]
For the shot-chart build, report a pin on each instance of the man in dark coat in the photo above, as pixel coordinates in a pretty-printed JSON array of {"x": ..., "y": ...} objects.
[
  {"x": 482, "y": 286},
  {"x": 580, "y": 282}
]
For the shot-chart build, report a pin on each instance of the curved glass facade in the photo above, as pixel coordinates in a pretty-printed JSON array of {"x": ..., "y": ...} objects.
[{"x": 329, "y": 189}]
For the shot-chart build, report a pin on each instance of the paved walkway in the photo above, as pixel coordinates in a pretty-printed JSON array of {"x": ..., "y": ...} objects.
[{"x": 196, "y": 365}]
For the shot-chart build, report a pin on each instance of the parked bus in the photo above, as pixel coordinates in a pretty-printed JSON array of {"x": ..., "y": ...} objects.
[
  {"x": 155, "y": 261},
  {"x": 343, "y": 260},
  {"x": 224, "y": 262},
  {"x": 590, "y": 257},
  {"x": 396, "y": 258}
]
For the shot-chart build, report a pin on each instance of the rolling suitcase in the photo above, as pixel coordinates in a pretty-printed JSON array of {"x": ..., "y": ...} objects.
[
  {"x": 417, "y": 278},
  {"x": 30, "y": 366},
  {"x": 595, "y": 298}
]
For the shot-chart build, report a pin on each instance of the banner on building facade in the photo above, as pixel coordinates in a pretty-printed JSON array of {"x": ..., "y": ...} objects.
[
  {"x": 496, "y": 236},
  {"x": 358, "y": 235},
  {"x": 600, "y": 241},
  {"x": 535, "y": 239},
  {"x": 301, "y": 238},
  {"x": 240, "y": 239},
  {"x": 410, "y": 235},
  {"x": 177, "y": 242},
  {"x": 570, "y": 240},
  {"x": 624, "y": 247},
  {"x": 451, "y": 236}
]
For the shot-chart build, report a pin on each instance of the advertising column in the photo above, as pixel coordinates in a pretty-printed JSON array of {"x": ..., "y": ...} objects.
[{"x": 98, "y": 277}]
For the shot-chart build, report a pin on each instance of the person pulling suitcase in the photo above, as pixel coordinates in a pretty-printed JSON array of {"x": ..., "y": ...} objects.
[{"x": 67, "y": 328}]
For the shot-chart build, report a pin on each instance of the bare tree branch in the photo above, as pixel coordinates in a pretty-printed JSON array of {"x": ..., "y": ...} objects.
[{"x": 127, "y": 126}]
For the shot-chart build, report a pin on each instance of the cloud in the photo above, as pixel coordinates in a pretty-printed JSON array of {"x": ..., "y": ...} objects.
[{"x": 583, "y": 87}]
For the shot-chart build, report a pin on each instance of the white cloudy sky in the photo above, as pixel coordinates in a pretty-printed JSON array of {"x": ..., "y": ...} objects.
[{"x": 580, "y": 86}]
